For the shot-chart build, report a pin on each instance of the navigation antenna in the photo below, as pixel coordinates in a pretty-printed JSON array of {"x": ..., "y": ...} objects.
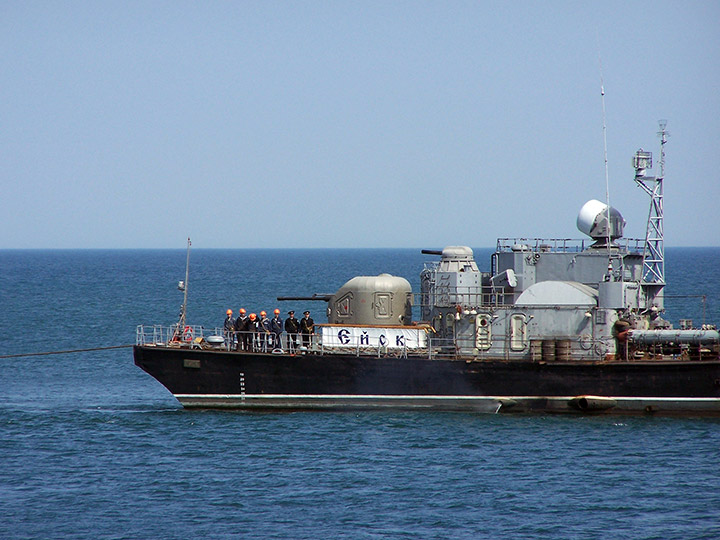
[
  {"x": 607, "y": 185},
  {"x": 183, "y": 286},
  {"x": 653, "y": 276}
]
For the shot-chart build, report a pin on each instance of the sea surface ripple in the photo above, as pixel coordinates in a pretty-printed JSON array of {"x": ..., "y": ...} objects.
[{"x": 92, "y": 447}]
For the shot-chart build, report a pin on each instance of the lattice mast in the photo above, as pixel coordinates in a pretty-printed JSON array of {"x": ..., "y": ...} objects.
[{"x": 653, "y": 274}]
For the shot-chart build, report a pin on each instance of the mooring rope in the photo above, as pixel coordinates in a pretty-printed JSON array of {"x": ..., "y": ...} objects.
[{"x": 65, "y": 352}]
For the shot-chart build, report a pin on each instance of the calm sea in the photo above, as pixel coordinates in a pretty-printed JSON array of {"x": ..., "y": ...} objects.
[{"x": 92, "y": 447}]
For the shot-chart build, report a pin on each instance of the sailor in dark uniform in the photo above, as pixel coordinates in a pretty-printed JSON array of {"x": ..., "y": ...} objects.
[
  {"x": 307, "y": 328},
  {"x": 292, "y": 327}
]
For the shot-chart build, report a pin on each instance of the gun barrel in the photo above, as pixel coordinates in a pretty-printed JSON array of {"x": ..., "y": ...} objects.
[
  {"x": 432, "y": 251},
  {"x": 314, "y": 297}
]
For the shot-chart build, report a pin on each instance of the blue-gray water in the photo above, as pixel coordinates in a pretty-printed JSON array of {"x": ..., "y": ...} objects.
[{"x": 92, "y": 447}]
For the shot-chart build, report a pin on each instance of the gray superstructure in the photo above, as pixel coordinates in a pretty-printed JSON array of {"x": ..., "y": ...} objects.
[
  {"x": 548, "y": 299},
  {"x": 542, "y": 297}
]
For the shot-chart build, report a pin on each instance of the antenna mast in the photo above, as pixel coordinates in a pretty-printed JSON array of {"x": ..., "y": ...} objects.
[
  {"x": 607, "y": 187},
  {"x": 653, "y": 277},
  {"x": 607, "y": 176},
  {"x": 183, "y": 286}
]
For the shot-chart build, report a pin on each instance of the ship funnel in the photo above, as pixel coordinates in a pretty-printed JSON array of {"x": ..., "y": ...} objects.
[{"x": 593, "y": 221}]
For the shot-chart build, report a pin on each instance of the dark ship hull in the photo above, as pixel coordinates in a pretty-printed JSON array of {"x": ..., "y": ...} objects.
[{"x": 222, "y": 379}]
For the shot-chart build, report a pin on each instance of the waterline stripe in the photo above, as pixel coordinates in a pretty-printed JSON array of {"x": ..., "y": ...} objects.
[{"x": 435, "y": 397}]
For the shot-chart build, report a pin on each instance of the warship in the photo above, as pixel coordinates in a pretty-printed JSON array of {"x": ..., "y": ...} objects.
[{"x": 555, "y": 326}]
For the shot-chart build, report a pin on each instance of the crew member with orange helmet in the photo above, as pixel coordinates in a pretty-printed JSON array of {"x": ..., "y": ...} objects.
[
  {"x": 253, "y": 331},
  {"x": 228, "y": 327},
  {"x": 264, "y": 332},
  {"x": 242, "y": 331},
  {"x": 276, "y": 327}
]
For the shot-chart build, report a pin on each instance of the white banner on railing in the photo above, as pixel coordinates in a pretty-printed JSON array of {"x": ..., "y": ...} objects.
[{"x": 399, "y": 337}]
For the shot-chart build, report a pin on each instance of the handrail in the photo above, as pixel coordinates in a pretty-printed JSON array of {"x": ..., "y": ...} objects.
[
  {"x": 562, "y": 245},
  {"x": 537, "y": 348}
]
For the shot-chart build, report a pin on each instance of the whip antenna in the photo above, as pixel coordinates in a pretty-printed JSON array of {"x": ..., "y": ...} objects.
[
  {"x": 607, "y": 175},
  {"x": 183, "y": 286}
]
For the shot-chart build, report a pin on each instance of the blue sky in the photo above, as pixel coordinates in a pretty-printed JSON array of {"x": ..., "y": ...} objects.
[{"x": 349, "y": 124}]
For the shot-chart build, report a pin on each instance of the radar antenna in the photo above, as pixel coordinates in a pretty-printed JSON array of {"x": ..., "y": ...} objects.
[{"x": 653, "y": 275}]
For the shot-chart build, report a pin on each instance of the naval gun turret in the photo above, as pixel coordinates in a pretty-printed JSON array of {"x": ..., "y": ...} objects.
[
  {"x": 383, "y": 300},
  {"x": 455, "y": 282}
]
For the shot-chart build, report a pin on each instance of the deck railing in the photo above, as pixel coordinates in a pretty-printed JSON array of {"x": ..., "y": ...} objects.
[
  {"x": 563, "y": 245},
  {"x": 539, "y": 348}
]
